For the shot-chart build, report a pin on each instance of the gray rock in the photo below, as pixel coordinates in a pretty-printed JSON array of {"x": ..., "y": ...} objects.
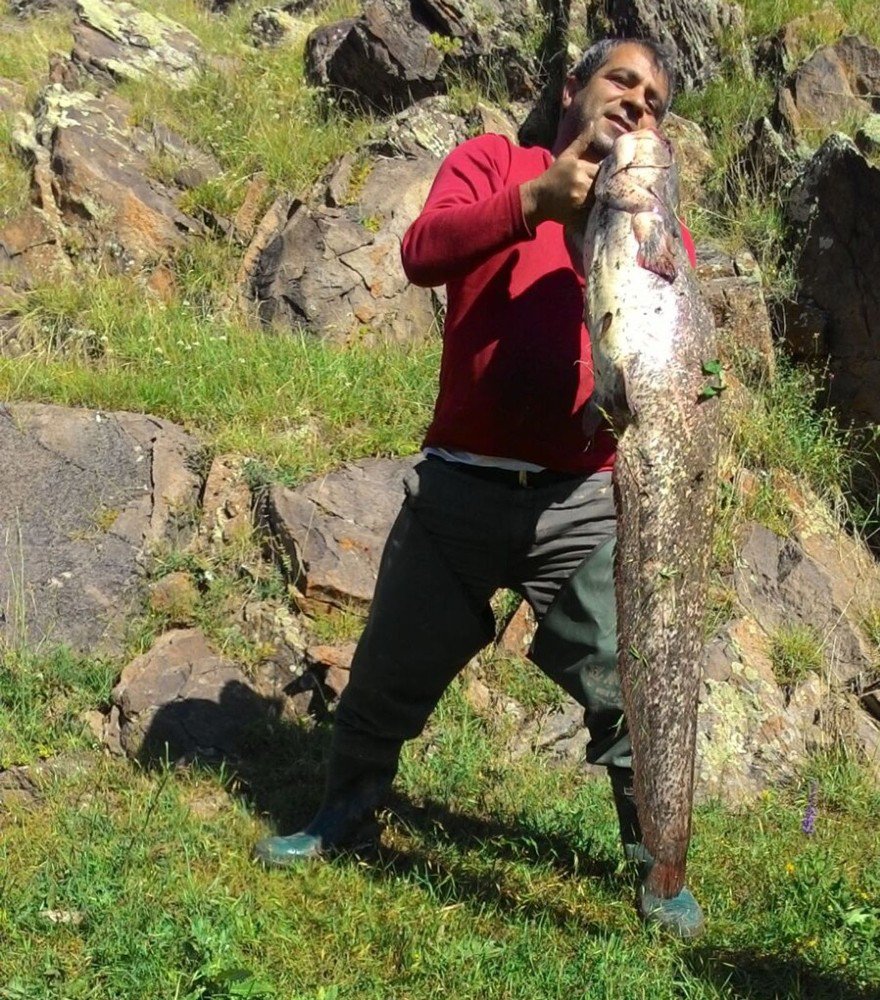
[
  {"x": 86, "y": 497},
  {"x": 803, "y": 328},
  {"x": 335, "y": 268},
  {"x": 732, "y": 289},
  {"x": 180, "y": 701},
  {"x": 693, "y": 29},
  {"x": 804, "y": 580},
  {"x": 385, "y": 58},
  {"x": 836, "y": 206},
  {"x": 400, "y": 51},
  {"x": 333, "y": 530}
]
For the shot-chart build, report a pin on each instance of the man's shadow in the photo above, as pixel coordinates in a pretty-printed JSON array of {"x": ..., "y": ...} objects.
[
  {"x": 746, "y": 974},
  {"x": 276, "y": 766}
]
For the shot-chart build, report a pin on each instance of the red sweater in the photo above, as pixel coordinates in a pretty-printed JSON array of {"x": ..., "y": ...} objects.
[{"x": 513, "y": 382}]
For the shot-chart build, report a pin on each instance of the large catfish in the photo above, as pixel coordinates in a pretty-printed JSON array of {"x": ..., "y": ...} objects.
[{"x": 656, "y": 374}]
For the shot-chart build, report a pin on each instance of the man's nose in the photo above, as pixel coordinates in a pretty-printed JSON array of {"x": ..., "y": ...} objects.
[{"x": 635, "y": 104}]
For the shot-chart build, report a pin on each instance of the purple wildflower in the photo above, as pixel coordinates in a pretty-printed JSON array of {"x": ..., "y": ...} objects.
[{"x": 808, "y": 824}]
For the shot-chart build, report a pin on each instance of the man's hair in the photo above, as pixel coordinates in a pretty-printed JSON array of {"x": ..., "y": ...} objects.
[{"x": 597, "y": 55}]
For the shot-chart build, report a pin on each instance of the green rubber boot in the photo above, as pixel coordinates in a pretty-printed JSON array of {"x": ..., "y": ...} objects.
[
  {"x": 681, "y": 915},
  {"x": 346, "y": 821}
]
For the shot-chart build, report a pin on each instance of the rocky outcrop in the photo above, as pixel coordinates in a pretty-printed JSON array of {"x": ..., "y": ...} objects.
[
  {"x": 733, "y": 290},
  {"x": 836, "y": 207},
  {"x": 86, "y": 497},
  {"x": 781, "y": 52},
  {"x": 693, "y": 30},
  {"x": 118, "y": 41},
  {"x": 384, "y": 59},
  {"x": 335, "y": 268},
  {"x": 95, "y": 172},
  {"x": 835, "y": 84},
  {"x": 400, "y": 51},
  {"x": 333, "y": 530}
]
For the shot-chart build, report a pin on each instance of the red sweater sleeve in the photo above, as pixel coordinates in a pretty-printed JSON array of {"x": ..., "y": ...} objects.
[
  {"x": 688, "y": 242},
  {"x": 472, "y": 211}
]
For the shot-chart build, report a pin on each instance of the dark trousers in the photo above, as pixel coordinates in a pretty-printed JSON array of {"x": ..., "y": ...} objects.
[{"x": 458, "y": 539}]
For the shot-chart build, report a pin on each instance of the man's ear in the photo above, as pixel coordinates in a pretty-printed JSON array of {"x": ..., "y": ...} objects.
[{"x": 571, "y": 86}]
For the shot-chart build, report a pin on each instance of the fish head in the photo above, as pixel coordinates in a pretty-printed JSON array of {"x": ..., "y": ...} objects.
[
  {"x": 639, "y": 174},
  {"x": 644, "y": 149}
]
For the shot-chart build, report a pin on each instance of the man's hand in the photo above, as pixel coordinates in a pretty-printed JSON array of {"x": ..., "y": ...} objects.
[{"x": 562, "y": 191}]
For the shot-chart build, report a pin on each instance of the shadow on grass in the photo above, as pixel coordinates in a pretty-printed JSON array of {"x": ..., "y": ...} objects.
[
  {"x": 273, "y": 762},
  {"x": 749, "y": 975},
  {"x": 276, "y": 765}
]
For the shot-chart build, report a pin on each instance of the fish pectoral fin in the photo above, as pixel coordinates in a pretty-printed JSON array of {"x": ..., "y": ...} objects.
[{"x": 656, "y": 244}]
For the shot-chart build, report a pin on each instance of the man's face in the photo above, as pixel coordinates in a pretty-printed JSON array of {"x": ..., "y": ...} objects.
[{"x": 627, "y": 92}]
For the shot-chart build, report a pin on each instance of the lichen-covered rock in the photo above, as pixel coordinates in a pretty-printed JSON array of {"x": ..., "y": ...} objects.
[
  {"x": 96, "y": 173},
  {"x": 119, "y": 41},
  {"x": 429, "y": 126},
  {"x": 274, "y": 26},
  {"x": 868, "y": 136}
]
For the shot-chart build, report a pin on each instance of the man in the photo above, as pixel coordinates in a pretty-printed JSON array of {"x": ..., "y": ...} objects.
[{"x": 511, "y": 493}]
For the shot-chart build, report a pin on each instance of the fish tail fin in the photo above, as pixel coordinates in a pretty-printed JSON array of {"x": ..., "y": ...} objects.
[{"x": 666, "y": 879}]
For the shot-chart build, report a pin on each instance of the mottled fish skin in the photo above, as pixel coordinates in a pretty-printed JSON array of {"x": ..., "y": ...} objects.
[{"x": 651, "y": 337}]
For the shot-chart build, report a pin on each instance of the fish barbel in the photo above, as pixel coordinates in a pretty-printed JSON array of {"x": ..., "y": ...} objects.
[{"x": 652, "y": 340}]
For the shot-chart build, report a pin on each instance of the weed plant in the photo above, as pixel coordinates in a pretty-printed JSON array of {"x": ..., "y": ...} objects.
[{"x": 795, "y": 653}]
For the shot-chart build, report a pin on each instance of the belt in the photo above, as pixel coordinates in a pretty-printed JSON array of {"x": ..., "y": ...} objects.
[{"x": 513, "y": 478}]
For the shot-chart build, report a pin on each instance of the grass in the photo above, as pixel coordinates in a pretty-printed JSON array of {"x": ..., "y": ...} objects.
[
  {"x": 291, "y": 402},
  {"x": 43, "y": 694},
  {"x": 496, "y": 880},
  {"x": 14, "y": 176}
]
